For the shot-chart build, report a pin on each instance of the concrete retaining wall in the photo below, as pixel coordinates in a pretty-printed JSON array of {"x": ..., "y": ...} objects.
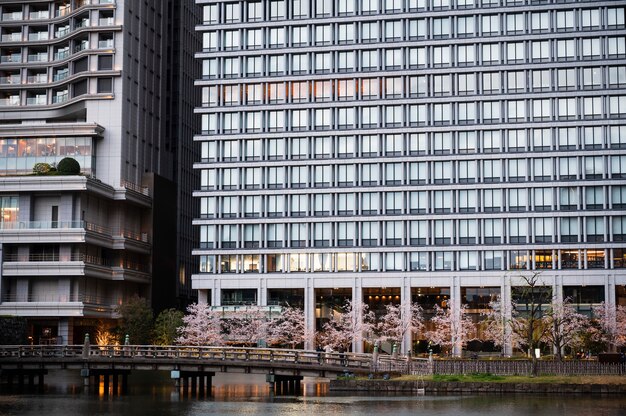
[{"x": 391, "y": 386}]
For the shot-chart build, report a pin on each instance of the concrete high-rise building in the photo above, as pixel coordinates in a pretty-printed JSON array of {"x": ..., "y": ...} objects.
[
  {"x": 411, "y": 150},
  {"x": 91, "y": 80}
]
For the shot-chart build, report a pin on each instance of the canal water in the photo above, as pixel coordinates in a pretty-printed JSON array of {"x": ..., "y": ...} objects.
[{"x": 245, "y": 394}]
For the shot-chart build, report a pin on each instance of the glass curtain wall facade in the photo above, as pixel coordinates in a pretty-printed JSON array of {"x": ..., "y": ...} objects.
[{"x": 411, "y": 144}]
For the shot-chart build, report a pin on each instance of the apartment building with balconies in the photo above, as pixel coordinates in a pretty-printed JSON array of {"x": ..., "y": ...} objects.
[{"x": 84, "y": 79}]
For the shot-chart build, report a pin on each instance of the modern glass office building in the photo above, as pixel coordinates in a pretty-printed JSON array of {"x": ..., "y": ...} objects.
[{"x": 411, "y": 150}]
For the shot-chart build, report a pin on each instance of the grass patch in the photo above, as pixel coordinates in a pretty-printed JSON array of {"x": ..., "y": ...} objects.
[{"x": 490, "y": 378}]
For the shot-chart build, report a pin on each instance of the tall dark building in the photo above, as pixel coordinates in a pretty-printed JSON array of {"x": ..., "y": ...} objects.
[{"x": 108, "y": 83}]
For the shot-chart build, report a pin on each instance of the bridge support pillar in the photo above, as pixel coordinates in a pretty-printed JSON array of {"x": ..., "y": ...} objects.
[
  {"x": 288, "y": 385},
  {"x": 110, "y": 380},
  {"x": 21, "y": 375},
  {"x": 194, "y": 383}
]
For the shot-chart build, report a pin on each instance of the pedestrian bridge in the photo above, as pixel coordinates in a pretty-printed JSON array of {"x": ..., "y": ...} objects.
[{"x": 190, "y": 361}]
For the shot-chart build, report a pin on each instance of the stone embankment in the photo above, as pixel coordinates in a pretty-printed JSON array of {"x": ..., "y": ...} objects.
[{"x": 440, "y": 387}]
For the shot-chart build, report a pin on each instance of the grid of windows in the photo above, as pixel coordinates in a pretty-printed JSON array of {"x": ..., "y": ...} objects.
[{"x": 490, "y": 138}]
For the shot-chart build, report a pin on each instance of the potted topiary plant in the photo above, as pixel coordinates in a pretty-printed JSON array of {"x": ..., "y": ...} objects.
[{"x": 68, "y": 166}]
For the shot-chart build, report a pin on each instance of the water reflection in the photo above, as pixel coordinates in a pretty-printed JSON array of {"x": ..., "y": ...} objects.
[{"x": 153, "y": 393}]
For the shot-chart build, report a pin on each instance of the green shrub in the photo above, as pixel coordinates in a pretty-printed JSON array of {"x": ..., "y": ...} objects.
[
  {"x": 68, "y": 166},
  {"x": 42, "y": 168}
]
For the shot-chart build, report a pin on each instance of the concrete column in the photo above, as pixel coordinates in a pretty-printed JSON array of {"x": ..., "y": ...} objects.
[
  {"x": 309, "y": 315},
  {"x": 455, "y": 298},
  {"x": 216, "y": 294},
  {"x": 262, "y": 293},
  {"x": 505, "y": 297},
  {"x": 203, "y": 295},
  {"x": 22, "y": 290},
  {"x": 64, "y": 289},
  {"x": 357, "y": 301},
  {"x": 65, "y": 331},
  {"x": 25, "y": 208},
  {"x": 66, "y": 206},
  {"x": 405, "y": 299}
]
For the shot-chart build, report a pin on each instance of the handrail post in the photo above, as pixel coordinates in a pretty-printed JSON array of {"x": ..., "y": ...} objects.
[{"x": 86, "y": 347}]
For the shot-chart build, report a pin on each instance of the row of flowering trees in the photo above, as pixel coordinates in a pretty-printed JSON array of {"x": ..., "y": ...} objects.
[{"x": 555, "y": 323}]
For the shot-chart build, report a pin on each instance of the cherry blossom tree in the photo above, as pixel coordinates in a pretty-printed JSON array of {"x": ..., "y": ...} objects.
[
  {"x": 395, "y": 324},
  {"x": 451, "y": 329},
  {"x": 527, "y": 313},
  {"x": 201, "y": 326},
  {"x": 564, "y": 326},
  {"x": 246, "y": 327},
  {"x": 347, "y": 326},
  {"x": 288, "y": 328},
  {"x": 497, "y": 324},
  {"x": 612, "y": 323}
]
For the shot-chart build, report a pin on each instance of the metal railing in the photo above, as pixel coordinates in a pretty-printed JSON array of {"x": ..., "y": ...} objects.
[
  {"x": 235, "y": 356},
  {"x": 56, "y": 298},
  {"x": 144, "y": 190}
]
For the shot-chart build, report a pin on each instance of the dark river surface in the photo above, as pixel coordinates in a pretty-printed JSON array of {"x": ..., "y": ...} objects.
[{"x": 152, "y": 393}]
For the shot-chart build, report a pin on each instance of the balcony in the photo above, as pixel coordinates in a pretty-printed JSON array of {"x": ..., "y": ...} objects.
[
  {"x": 12, "y": 58},
  {"x": 38, "y": 100},
  {"x": 61, "y": 98},
  {"x": 13, "y": 101},
  {"x": 106, "y": 21},
  {"x": 60, "y": 55},
  {"x": 39, "y": 15},
  {"x": 12, "y": 37},
  {"x": 38, "y": 57},
  {"x": 38, "y": 79},
  {"x": 35, "y": 37},
  {"x": 10, "y": 80},
  {"x": 64, "y": 31},
  {"x": 41, "y": 225},
  {"x": 12, "y": 16}
]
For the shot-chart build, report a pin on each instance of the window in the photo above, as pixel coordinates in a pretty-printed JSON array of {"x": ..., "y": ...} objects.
[
  {"x": 569, "y": 230},
  {"x": 491, "y": 111},
  {"x": 346, "y": 32},
  {"x": 369, "y": 233},
  {"x": 569, "y": 199},
  {"x": 275, "y": 205},
  {"x": 443, "y": 232},
  {"x": 540, "y": 22},
  {"x": 369, "y": 203},
  {"x": 594, "y": 197},
  {"x": 492, "y": 200},
  {"x": 233, "y": 12},
  {"x": 255, "y": 11},
  {"x": 394, "y": 233},
  {"x": 465, "y": 26},
  {"x": 300, "y": 36},
  {"x": 543, "y": 199},
  {"x": 515, "y": 23},
  {"x": 566, "y": 50},
  {"x": 442, "y": 201},
  {"x": 441, "y": 56},
  {"x": 617, "y": 77},
  {"x": 468, "y": 231},
  {"x": 300, "y": 8},
  {"x": 540, "y": 51},
  {"x": 542, "y": 110},
  {"x": 418, "y": 202},
  {"x": 369, "y": 32},
  {"x": 518, "y": 200},
  {"x": 518, "y": 230},
  {"x": 566, "y": 80},
  {"x": 441, "y": 28},
  {"x": 418, "y": 86},
  {"x": 595, "y": 229},
  {"x": 490, "y": 25},
  {"x": 492, "y": 171},
  {"x": 275, "y": 235},
  {"x": 590, "y": 19},
  {"x": 444, "y": 260},
  {"x": 493, "y": 231},
  {"x": 491, "y": 53},
  {"x": 565, "y": 21},
  {"x": 277, "y": 9},
  {"x": 393, "y": 31},
  {"x": 466, "y": 55}
]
